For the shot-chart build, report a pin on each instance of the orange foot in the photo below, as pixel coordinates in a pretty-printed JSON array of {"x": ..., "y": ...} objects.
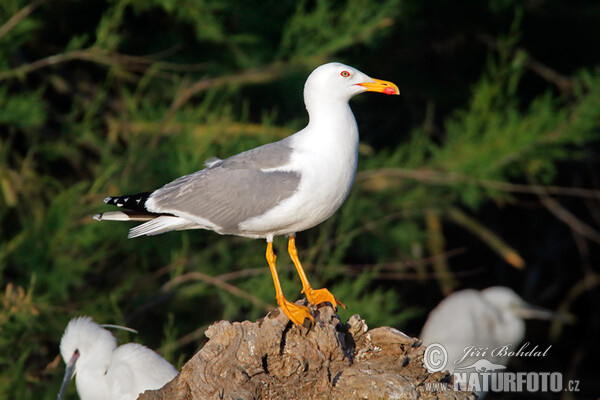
[
  {"x": 318, "y": 296},
  {"x": 296, "y": 313}
]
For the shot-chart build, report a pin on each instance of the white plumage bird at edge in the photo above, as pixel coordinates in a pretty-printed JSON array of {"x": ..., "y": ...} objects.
[
  {"x": 276, "y": 189},
  {"x": 484, "y": 321},
  {"x": 104, "y": 371}
]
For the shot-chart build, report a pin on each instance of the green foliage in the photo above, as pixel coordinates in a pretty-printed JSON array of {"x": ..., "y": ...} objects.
[
  {"x": 114, "y": 112},
  {"x": 17, "y": 36},
  {"x": 22, "y": 111},
  {"x": 327, "y": 27}
]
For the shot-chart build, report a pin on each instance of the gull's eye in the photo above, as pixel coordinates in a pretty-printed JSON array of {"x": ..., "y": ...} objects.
[{"x": 345, "y": 74}]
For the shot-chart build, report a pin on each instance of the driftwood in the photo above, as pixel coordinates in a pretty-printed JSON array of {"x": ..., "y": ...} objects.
[{"x": 274, "y": 359}]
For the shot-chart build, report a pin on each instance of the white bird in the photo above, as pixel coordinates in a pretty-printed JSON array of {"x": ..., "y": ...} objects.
[
  {"x": 480, "y": 321},
  {"x": 277, "y": 189},
  {"x": 107, "y": 372}
]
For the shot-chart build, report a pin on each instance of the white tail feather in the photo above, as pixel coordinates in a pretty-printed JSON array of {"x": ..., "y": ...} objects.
[
  {"x": 121, "y": 216},
  {"x": 160, "y": 224}
]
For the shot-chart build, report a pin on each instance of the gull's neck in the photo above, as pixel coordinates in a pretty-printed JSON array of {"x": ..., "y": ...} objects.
[{"x": 331, "y": 121}]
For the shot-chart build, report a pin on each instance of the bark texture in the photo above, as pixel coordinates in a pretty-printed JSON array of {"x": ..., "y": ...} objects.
[{"x": 275, "y": 359}]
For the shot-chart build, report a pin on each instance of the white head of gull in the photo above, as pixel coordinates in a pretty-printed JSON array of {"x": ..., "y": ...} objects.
[
  {"x": 276, "y": 189},
  {"x": 104, "y": 371}
]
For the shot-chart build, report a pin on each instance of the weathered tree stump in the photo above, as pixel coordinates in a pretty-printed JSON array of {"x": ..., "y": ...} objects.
[{"x": 275, "y": 359}]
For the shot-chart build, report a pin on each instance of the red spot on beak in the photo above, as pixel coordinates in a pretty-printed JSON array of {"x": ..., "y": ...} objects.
[{"x": 389, "y": 90}]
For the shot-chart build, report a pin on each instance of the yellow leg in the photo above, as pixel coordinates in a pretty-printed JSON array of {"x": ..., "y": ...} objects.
[
  {"x": 315, "y": 296},
  {"x": 294, "y": 312}
]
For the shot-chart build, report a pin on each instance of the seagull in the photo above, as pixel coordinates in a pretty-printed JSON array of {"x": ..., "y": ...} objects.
[
  {"x": 481, "y": 321},
  {"x": 105, "y": 371},
  {"x": 280, "y": 188}
]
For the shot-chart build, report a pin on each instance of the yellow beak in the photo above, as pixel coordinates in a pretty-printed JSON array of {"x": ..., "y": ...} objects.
[{"x": 380, "y": 86}]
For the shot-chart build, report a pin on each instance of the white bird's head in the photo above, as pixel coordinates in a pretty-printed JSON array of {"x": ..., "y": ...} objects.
[
  {"x": 339, "y": 82},
  {"x": 85, "y": 344},
  {"x": 507, "y": 301},
  {"x": 503, "y": 298}
]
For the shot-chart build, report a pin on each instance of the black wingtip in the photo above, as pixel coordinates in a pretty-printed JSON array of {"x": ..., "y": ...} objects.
[{"x": 135, "y": 202}]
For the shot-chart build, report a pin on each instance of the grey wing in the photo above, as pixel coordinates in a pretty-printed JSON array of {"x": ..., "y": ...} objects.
[
  {"x": 268, "y": 156},
  {"x": 230, "y": 191}
]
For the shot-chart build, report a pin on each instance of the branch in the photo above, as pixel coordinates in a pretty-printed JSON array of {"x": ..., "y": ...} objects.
[
  {"x": 215, "y": 281},
  {"x": 102, "y": 57},
  {"x": 355, "y": 269},
  {"x": 569, "y": 218},
  {"x": 44, "y": 62},
  {"x": 264, "y": 74},
  {"x": 379, "y": 178},
  {"x": 251, "y": 76},
  {"x": 563, "y": 83},
  {"x": 494, "y": 241},
  {"x": 19, "y": 16},
  {"x": 186, "y": 92},
  {"x": 588, "y": 283},
  {"x": 436, "y": 243}
]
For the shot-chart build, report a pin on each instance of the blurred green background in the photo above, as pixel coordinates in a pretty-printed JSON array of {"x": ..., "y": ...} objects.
[{"x": 485, "y": 171}]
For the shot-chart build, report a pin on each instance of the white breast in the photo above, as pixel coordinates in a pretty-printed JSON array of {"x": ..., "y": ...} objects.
[{"x": 326, "y": 154}]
